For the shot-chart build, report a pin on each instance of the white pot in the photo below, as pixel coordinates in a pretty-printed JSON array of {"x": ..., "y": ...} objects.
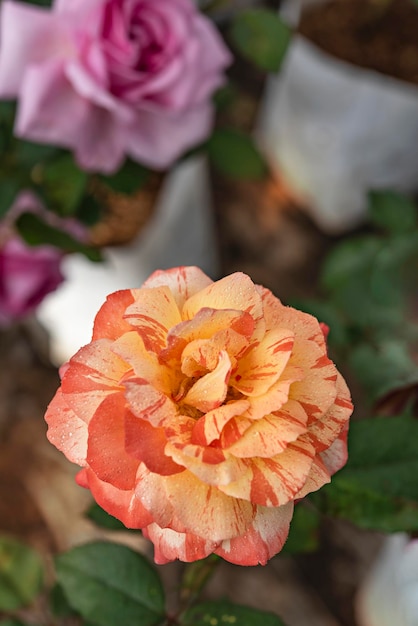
[
  {"x": 181, "y": 231},
  {"x": 334, "y": 131},
  {"x": 389, "y": 595}
]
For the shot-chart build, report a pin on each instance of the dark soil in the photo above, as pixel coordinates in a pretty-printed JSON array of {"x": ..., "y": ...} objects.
[{"x": 381, "y": 35}]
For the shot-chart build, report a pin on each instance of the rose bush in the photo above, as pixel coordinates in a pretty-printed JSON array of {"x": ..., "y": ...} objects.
[
  {"x": 27, "y": 274},
  {"x": 106, "y": 78},
  {"x": 200, "y": 412}
]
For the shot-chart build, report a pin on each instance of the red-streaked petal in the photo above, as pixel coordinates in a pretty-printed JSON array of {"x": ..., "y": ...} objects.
[
  {"x": 324, "y": 431},
  {"x": 318, "y": 389},
  {"x": 148, "y": 403},
  {"x": 275, "y": 481},
  {"x": 206, "y": 511},
  {"x": 304, "y": 326},
  {"x": 209, "y": 392},
  {"x": 66, "y": 431},
  {"x": 236, "y": 291},
  {"x": 274, "y": 399},
  {"x": 147, "y": 444},
  {"x": 265, "y": 537},
  {"x": 268, "y": 437},
  {"x": 210, "y": 464},
  {"x": 106, "y": 454},
  {"x": 109, "y": 322},
  {"x": 318, "y": 477},
  {"x": 183, "y": 282},
  {"x": 124, "y": 505},
  {"x": 206, "y": 324},
  {"x": 209, "y": 427},
  {"x": 145, "y": 364},
  {"x": 93, "y": 373},
  {"x": 152, "y": 314},
  {"x": 262, "y": 366},
  {"x": 335, "y": 457},
  {"x": 170, "y": 545}
]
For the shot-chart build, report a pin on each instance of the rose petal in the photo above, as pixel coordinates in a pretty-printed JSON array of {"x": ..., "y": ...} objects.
[
  {"x": 145, "y": 364},
  {"x": 124, "y": 505},
  {"x": 25, "y": 30},
  {"x": 148, "y": 403},
  {"x": 206, "y": 511},
  {"x": 147, "y": 444},
  {"x": 170, "y": 545},
  {"x": 236, "y": 291},
  {"x": 210, "y": 426},
  {"x": 275, "y": 481},
  {"x": 325, "y": 430},
  {"x": 183, "y": 282},
  {"x": 268, "y": 437},
  {"x": 210, "y": 391},
  {"x": 265, "y": 537},
  {"x": 152, "y": 314},
  {"x": 66, "y": 431},
  {"x": 92, "y": 374},
  {"x": 109, "y": 322},
  {"x": 262, "y": 366},
  {"x": 209, "y": 324},
  {"x": 106, "y": 454}
]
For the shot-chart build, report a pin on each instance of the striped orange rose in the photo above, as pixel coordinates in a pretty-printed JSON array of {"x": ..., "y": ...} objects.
[{"x": 200, "y": 412}]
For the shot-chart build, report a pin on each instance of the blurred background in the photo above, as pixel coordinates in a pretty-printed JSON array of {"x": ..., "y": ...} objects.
[{"x": 307, "y": 181}]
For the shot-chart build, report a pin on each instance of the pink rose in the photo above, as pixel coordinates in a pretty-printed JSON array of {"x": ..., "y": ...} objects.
[
  {"x": 200, "y": 412},
  {"x": 109, "y": 78},
  {"x": 28, "y": 274}
]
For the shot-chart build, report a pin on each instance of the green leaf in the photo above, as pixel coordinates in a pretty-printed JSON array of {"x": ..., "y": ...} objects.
[
  {"x": 64, "y": 184},
  {"x": 37, "y": 232},
  {"x": 349, "y": 259},
  {"x": 393, "y": 211},
  {"x": 262, "y": 37},
  {"x": 304, "y": 530},
  {"x": 225, "y": 613},
  {"x": 59, "y": 603},
  {"x": 103, "y": 519},
  {"x": 131, "y": 177},
  {"x": 384, "y": 367},
  {"x": 378, "y": 488},
  {"x": 235, "y": 155},
  {"x": 366, "y": 508},
  {"x": 21, "y": 574},
  {"x": 9, "y": 189},
  {"x": 13, "y": 622},
  {"x": 30, "y": 154},
  {"x": 383, "y": 456},
  {"x": 111, "y": 584}
]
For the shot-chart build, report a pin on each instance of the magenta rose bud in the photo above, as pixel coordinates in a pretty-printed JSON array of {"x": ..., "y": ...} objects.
[
  {"x": 110, "y": 78},
  {"x": 27, "y": 275}
]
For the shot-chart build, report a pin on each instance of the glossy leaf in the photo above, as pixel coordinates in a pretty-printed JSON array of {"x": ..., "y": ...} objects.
[
  {"x": 21, "y": 574},
  {"x": 378, "y": 488},
  {"x": 223, "y": 613},
  {"x": 235, "y": 155},
  {"x": 111, "y": 584},
  {"x": 262, "y": 37},
  {"x": 37, "y": 232},
  {"x": 384, "y": 367}
]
